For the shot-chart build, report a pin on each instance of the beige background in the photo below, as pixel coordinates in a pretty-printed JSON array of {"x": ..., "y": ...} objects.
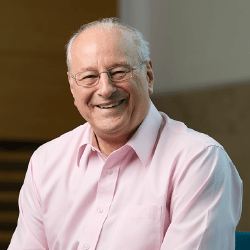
[{"x": 196, "y": 43}]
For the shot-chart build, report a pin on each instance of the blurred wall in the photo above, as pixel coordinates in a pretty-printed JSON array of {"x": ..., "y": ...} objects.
[
  {"x": 35, "y": 99},
  {"x": 194, "y": 44}
]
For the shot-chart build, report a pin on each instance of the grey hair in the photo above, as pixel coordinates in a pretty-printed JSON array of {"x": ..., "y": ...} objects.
[{"x": 141, "y": 43}]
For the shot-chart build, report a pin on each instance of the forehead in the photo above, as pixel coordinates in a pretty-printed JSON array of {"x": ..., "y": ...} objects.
[{"x": 99, "y": 44}]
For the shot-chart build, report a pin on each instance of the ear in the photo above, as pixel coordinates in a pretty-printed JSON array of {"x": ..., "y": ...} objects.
[
  {"x": 71, "y": 85},
  {"x": 150, "y": 77}
]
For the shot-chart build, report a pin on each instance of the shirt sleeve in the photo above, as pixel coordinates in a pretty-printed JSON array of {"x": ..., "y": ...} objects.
[
  {"x": 206, "y": 203},
  {"x": 29, "y": 233}
]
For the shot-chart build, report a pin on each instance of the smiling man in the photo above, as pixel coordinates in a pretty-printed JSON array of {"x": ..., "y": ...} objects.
[
  {"x": 111, "y": 85},
  {"x": 130, "y": 177}
]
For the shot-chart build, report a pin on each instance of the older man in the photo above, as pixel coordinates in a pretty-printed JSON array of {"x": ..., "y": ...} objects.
[{"x": 130, "y": 178}]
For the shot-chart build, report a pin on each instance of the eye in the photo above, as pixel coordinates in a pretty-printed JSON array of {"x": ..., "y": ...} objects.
[
  {"x": 86, "y": 76},
  {"x": 118, "y": 72},
  {"x": 89, "y": 77}
]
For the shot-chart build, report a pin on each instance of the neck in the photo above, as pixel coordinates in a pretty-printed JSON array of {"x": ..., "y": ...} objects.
[{"x": 107, "y": 145}]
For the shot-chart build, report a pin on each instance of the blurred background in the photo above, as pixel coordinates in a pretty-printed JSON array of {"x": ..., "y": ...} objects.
[{"x": 201, "y": 58}]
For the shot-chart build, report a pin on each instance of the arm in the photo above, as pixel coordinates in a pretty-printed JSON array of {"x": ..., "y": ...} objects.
[
  {"x": 29, "y": 233},
  {"x": 206, "y": 203}
]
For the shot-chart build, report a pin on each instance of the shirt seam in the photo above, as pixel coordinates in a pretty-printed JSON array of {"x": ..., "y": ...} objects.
[
  {"x": 208, "y": 212},
  {"x": 207, "y": 144}
]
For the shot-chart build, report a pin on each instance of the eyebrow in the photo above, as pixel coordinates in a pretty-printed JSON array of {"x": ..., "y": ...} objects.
[{"x": 114, "y": 65}]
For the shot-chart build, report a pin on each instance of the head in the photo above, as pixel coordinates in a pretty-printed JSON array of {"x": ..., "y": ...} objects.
[{"x": 113, "y": 109}]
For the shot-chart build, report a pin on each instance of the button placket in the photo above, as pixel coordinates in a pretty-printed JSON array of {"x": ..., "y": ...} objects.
[
  {"x": 105, "y": 193},
  {"x": 106, "y": 187}
]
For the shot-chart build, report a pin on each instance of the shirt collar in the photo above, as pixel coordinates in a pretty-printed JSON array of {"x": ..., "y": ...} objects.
[
  {"x": 86, "y": 139},
  {"x": 145, "y": 135},
  {"x": 144, "y": 139}
]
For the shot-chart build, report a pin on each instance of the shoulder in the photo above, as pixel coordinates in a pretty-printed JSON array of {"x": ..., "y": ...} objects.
[
  {"x": 177, "y": 137},
  {"x": 182, "y": 150},
  {"x": 69, "y": 141}
]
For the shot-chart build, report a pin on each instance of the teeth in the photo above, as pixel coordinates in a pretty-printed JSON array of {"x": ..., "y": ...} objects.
[{"x": 110, "y": 105}]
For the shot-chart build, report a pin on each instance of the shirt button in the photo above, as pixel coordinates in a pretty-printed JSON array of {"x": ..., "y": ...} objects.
[
  {"x": 110, "y": 171},
  {"x": 100, "y": 210},
  {"x": 93, "y": 149},
  {"x": 86, "y": 246}
]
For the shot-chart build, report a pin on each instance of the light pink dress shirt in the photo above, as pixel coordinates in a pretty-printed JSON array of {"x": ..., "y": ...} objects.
[{"x": 168, "y": 188}]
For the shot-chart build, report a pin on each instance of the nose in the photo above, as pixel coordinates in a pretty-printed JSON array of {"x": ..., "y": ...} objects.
[{"x": 106, "y": 86}]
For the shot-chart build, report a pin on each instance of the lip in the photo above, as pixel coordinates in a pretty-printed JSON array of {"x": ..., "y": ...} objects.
[{"x": 110, "y": 104}]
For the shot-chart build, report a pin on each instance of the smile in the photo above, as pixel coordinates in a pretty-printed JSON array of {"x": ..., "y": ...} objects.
[{"x": 111, "y": 105}]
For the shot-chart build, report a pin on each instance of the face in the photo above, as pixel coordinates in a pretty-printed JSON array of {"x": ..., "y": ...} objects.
[{"x": 113, "y": 109}]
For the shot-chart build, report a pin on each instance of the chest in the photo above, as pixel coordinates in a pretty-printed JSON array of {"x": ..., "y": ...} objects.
[{"x": 109, "y": 197}]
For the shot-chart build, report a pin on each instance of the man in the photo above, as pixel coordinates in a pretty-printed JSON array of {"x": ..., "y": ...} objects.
[{"x": 130, "y": 178}]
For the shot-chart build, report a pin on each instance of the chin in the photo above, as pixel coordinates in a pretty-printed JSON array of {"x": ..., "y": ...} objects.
[{"x": 111, "y": 129}]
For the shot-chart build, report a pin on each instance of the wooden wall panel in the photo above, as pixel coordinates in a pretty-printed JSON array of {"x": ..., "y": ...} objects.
[{"x": 35, "y": 100}]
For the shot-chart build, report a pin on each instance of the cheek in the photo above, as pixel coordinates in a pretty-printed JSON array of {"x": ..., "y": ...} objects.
[
  {"x": 139, "y": 89},
  {"x": 81, "y": 99},
  {"x": 140, "y": 100}
]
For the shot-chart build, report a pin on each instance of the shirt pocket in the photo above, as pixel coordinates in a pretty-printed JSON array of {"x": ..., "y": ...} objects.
[{"x": 139, "y": 228}]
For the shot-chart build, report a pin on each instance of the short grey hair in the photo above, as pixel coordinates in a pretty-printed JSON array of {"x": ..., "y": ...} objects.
[{"x": 141, "y": 43}]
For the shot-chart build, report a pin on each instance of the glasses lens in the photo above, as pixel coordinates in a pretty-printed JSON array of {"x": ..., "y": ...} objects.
[
  {"x": 88, "y": 78},
  {"x": 120, "y": 73}
]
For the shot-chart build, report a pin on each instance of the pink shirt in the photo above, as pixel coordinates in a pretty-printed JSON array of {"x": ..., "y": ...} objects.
[{"x": 168, "y": 188}]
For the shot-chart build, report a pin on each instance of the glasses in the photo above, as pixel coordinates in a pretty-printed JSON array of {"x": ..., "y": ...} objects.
[{"x": 116, "y": 74}]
